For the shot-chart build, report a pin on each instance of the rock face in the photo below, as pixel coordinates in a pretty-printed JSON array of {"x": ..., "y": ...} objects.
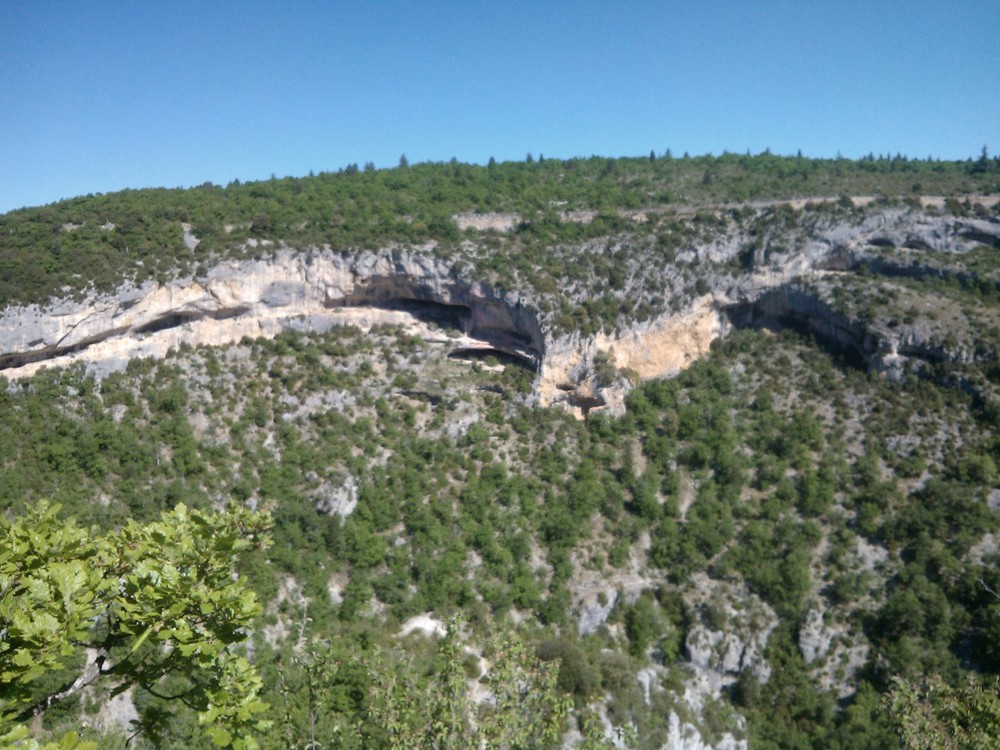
[
  {"x": 731, "y": 635},
  {"x": 745, "y": 281},
  {"x": 313, "y": 290},
  {"x": 784, "y": 278}
]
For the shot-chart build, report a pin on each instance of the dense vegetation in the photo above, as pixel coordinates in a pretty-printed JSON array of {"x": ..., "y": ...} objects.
[
  {"x": 100, "y": 240},
  {"x": 747, "y": 475},
  {"x": 834, "y": 530}
]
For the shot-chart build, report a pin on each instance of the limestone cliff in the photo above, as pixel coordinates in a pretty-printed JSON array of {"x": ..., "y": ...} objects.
[
  {"x": 783, "y": 275},
  {"x": 313, "y": 290}
]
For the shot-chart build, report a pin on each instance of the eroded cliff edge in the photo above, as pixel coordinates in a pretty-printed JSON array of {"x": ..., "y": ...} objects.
[
  {"x": 309, "y": 290},
  {"x": 800, "y": 276}
]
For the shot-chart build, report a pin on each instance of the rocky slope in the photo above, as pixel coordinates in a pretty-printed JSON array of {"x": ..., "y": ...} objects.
[
  {"x": 764, "y": 447},
  {"x": 311, "y": 290},
  {"x": 785, "y": 274}
]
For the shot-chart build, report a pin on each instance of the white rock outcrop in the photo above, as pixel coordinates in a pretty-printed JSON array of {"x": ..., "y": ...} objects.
[
  {"x": 312, "y": 290},
  {"x": 317, "y": 289}
]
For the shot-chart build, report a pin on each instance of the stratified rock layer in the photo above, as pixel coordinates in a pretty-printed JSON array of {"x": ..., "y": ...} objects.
[
  {"x": 312, "y": 290},
  {"x": 744, "y": 281}
]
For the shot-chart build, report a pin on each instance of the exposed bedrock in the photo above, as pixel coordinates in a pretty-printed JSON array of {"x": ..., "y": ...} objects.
[
  {"x": 791, "y": 306},
  {"x": 315, "y": 290},
  {"x": 919, "y": 271},
  {"x": 899, "y": 229},
  {"x": 893, "y": 352},
  {"x": 312, "y": 290}
]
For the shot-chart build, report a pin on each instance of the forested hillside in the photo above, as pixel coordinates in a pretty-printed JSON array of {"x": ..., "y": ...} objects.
[
  {"x": 97, "y": 241},
  {"x": 376, "y": 534}
]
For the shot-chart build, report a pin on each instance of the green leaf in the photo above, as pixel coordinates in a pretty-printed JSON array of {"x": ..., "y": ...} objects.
[
  {"x": 23, "y": 658},
  {"x": 221, "y": 737},
  {"x": 142, "y": 639}
]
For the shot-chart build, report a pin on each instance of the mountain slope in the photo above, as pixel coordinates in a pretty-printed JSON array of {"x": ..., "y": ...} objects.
[{"x": 745, "y": 552}]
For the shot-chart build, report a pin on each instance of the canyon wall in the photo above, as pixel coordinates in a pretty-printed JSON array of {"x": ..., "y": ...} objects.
[
  {"x": 315, "y": 290},
  {"x": 311, "y": 290}
]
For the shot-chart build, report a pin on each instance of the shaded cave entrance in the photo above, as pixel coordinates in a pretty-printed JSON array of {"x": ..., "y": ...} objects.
[
  {"x": 838, "y": 339},
  {"x": 455, "y": 317},
  {"x": 507, "y": 345},
  {"x": 178, "y": 318},
  {"x": 487, "y": 355}
]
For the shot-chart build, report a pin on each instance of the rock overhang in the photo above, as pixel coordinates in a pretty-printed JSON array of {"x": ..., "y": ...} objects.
[
  {"x": 311, "y": 290},
  {"x": 314, "y": 290}
]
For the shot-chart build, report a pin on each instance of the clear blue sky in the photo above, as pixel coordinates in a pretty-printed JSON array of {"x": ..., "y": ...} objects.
[{"x": 100, "y": 96}]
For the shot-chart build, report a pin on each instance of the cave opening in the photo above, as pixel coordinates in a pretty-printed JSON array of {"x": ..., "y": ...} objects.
[
  {"x": 177, "y": 319},
  {"x": 20, "y": 359},
  {"x": 508, "y": 346},
  {"x": 586, "y": 404},
  {"x": 501, "y": 356},
  {"x": 171, "y": 320},
  {"x": 764, "y": 315},
  {"x": 457, "y": 317}
]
